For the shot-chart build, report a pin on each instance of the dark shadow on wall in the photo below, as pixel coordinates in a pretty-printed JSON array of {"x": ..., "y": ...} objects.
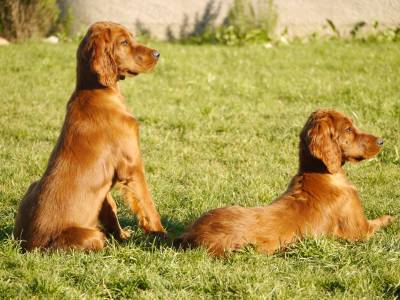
[
  {"x": 141, "y": 30},
  {"x": 200, "y": 24},
  {"x": 188, "y": 28}
]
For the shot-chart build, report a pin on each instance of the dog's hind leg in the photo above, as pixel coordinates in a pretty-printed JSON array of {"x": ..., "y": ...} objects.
[
  {"x": 267, "y": 246},
  {"x": 109, "y": 220},
  {"x": 79, "y": 238}
]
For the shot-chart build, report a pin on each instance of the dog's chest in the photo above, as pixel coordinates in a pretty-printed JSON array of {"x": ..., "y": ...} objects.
[
  {"x": 344, "y": 190},
  {"x": 340, "y": 181}
]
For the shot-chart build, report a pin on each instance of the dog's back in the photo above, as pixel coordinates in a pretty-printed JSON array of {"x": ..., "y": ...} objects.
[{"x": 304, "y": 209}]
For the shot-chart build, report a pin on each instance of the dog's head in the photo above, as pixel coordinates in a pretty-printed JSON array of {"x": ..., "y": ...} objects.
[
  {"x": 111, "y": 53},
  {"x": 331, "y": 137}
]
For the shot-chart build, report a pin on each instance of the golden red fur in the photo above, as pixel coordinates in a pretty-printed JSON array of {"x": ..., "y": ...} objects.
[
  {"x": 319, "y": 200},
  {"x": 98, "y": 147}
]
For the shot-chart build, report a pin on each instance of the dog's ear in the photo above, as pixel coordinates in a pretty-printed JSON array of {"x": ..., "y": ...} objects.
[
  {"x": 102, "y": 61},
  {"x": 321, "y": 142}
]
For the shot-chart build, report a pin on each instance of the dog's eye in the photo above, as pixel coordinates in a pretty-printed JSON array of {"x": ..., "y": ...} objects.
[
  {"x": 124, "y": 43},
  {"x": 349, "y": 129}
]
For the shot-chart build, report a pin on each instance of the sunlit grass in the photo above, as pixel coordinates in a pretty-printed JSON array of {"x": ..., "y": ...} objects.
[{"x": 219, "y": 126}]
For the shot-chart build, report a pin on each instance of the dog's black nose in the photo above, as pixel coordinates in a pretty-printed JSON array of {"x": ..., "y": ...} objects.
[
  {"x": 380, "y": 142},
  {"x": 156, "y": 54}
]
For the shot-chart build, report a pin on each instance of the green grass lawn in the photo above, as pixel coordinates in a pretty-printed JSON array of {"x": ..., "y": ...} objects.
[{"x": 219, "y": 126}]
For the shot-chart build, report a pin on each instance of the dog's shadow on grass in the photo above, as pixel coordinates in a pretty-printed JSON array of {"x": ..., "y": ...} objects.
[
  {"x": 138, "y": 236},
  {"x": 6, "y": 232},
  {"x": 149, "y": 241}
]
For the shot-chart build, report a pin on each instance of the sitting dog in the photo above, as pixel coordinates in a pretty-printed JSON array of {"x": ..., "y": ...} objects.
[
  {"x": 319, "y": 200},
  {"x": 98, "y": 147}
]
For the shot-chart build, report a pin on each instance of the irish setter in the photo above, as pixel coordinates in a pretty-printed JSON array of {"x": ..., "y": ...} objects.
[
  {"x": 98, "y": 147},
  {"x": 319, "y": 200}
]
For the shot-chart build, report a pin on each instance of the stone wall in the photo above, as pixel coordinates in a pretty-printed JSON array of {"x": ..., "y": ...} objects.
[{"x": 164, "y": 18}]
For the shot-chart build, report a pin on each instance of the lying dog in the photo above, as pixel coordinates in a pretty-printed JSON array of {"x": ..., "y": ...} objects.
[
  {"x": 97, "y": 148},
  {"x": 319, "y": 200}
]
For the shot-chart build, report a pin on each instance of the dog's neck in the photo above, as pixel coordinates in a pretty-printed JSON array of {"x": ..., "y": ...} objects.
[
  {"x": 309, "y": 163},
  {"x": 88, "y": 80}
]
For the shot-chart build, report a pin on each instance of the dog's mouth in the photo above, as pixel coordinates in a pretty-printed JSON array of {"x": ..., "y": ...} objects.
[
  {"x": 364, "y": 155},
  {"x": 356, "y": 159},
  {"x": 132, "y": 73},
  {"x": 142, "y": 69}
]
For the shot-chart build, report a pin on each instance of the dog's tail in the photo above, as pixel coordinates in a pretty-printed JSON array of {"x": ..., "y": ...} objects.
[{"x": 182, "y": 242}]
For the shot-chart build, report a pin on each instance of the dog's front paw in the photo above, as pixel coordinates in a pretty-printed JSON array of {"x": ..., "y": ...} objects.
[
  {"x": 125, "y": 234},
  {"x": 386, "y": 220},
  {"x": 153, "y": 228}
]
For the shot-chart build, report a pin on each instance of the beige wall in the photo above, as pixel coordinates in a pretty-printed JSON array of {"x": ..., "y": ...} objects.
[
  {"x": 298, "y": 16},
  {"x": 307, "y": 16}
]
